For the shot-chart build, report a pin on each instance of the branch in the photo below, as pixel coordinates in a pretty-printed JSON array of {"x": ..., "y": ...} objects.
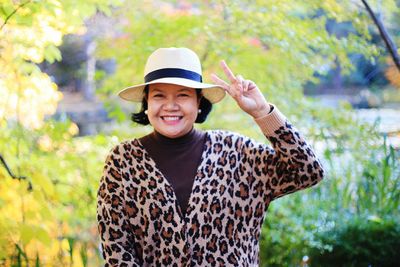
[
  {"x": 8, "y": 169},
  {"x": 12, "y": 13},
  {"x": 385, "y": 36}
]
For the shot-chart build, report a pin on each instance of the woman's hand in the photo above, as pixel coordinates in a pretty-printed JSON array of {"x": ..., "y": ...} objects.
[{"x": 245, "y": 92}]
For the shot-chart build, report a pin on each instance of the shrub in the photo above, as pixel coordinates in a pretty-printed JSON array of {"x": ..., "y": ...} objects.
[{"x": 361, "y": 242}]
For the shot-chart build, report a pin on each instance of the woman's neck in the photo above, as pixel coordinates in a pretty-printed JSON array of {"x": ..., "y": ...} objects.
[{"x": 184, "y": 139}]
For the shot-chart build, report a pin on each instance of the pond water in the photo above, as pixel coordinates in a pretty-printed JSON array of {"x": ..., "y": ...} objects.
[
  {"x": 389, "y": 118},
  {"x": 389, "y": 122}
]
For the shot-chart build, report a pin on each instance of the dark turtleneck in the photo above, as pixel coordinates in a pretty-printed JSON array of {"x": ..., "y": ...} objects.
[{"x": 178, "y": 159}]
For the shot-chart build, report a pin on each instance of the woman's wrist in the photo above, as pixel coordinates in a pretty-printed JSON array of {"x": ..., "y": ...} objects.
[
  {"x": 271, "y": 122},
  {"x": 262, "y": 112}
]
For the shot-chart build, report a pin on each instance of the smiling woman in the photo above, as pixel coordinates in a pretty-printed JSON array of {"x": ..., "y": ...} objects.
[{"x": 184, "y": 197}]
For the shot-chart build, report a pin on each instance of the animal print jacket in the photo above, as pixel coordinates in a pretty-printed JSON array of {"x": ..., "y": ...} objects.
[{"x": 141, "y": 223}]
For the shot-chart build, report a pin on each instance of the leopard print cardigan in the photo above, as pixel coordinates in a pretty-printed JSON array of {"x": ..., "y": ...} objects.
[{"x": 141, "y": 223}]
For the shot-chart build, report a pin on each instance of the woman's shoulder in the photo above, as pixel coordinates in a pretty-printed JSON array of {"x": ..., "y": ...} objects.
[
  {"x": 220, "y": 133},
  {"x": 227, "y": 137},
  {"x": 126, "y": 145},
  {"x": 235, "y": 140}
]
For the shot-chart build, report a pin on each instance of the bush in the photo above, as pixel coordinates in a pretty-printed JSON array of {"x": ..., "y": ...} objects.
[{"x": 359, "y": 243}]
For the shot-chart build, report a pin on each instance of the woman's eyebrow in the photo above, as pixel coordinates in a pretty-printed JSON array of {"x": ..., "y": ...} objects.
[{"x": 156, "y": 90}]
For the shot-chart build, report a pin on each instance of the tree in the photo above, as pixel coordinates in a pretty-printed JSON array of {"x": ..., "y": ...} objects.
[
  {"x": 390, "y": 45},
  {"x": 33, "y": 221},
  {"x": 30, "y": 32}
]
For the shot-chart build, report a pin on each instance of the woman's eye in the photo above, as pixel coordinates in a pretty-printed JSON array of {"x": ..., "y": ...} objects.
[
  {"x": 157, "y": 95},
  {"x": 183, "y": 95}
]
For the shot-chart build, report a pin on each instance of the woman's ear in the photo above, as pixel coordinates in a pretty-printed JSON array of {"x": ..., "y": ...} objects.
[
  {"x": 199, "y": 97},
  {"x": 146, "y": 92}
]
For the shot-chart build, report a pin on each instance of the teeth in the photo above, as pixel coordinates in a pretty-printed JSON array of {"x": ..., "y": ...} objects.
[{"x": 171, "y": 118}]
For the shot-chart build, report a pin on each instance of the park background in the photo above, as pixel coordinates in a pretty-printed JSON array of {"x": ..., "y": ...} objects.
[{"x": 323, "y": 63}]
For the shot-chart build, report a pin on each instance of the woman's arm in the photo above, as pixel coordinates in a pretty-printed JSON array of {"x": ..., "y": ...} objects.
[
  {"x": 291, "y": 165},
  {"x": 117, "y": 240}
]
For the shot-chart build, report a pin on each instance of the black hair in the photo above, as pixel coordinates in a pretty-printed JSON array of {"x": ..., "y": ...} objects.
[{"x": 141, "y": 117}]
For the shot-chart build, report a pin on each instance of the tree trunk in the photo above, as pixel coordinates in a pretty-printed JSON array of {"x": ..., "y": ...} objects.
[{"x": 385, "y": 36}]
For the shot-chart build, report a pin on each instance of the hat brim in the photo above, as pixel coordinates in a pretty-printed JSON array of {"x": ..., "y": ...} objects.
[{"x": 214, "y": 93}]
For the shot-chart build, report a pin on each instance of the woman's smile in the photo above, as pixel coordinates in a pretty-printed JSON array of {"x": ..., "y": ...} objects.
[{"x": 171, "y": 118}]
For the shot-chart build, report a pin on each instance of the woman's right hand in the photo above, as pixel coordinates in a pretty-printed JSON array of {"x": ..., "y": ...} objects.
[{"x": 245, "y": 92}]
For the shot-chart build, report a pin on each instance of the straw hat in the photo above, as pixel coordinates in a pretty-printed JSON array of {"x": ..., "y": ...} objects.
[{"x": 180, "y": 66}]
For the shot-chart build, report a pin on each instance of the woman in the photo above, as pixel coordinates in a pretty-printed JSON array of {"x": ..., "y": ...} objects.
[{"x": 184, "y": 197}]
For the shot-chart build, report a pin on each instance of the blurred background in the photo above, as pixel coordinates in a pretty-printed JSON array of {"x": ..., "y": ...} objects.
[{"x": 325, "y": 65}]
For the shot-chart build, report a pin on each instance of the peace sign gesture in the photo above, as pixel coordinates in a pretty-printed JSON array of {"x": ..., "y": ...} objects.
[{"x": 245, "y": 92}]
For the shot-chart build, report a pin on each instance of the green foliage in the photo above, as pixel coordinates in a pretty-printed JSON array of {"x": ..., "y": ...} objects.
[
  {"x": 360, "y": 242},
  {"x": 364, "y": 185},
  {"x": 52, "y": 211},
  {"x": 278, "y": 44},
  {"x": 358, "y": 188},
  {"x": 287, "y": 232}
]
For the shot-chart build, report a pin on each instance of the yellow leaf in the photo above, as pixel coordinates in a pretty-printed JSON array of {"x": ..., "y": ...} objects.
[
  {"x": 27, "y": 232},
  {"x": 43, "y": 182},
  {"x": 30, "y": 232},
  {"x": 43, "y": 236}
]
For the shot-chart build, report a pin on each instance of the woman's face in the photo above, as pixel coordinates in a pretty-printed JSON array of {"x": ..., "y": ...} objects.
[{"x": 172, "y": 109}]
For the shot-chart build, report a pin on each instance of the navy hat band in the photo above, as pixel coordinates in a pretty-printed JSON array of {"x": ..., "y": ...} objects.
[{"x": 172, "y": 73}]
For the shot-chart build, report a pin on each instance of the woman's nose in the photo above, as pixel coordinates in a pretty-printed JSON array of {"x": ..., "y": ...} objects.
[{"x": 171, "y": 104}]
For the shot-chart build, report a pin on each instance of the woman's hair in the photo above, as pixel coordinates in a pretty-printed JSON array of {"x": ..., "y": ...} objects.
[{"x": 142, "y": 118}]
